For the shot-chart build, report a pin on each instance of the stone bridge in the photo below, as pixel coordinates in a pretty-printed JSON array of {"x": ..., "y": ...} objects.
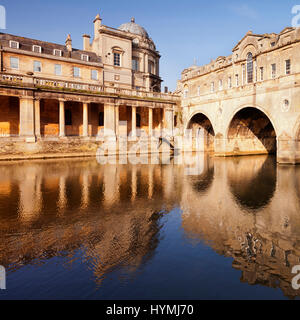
[{"x": 257, "y": 118}]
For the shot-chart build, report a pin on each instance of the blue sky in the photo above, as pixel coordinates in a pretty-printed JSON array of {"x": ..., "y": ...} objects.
[{"x": 182, "y": 30}]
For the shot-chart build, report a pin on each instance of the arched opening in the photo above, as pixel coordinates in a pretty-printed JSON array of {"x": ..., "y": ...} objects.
[
  {"x": 251, "y": 132},
  {"x": 249, "y": 68},
  {"x": 203, "y": 134}
]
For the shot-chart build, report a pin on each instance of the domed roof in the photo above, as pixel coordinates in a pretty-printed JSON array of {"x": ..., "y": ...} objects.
[{"x": 134, "y": 28}]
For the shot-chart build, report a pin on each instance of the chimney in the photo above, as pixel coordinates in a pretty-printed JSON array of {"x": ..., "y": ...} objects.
[
  {"x": 86, "y": 42},
  {"x": 69, "y": 43},
  {"x": 97, "y": 25}
]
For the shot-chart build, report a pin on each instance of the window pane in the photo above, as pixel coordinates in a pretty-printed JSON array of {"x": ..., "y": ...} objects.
[
  {"x": 76, "y": 72},
  {"x": 58, "y": 70},
  {"x": 273, "y": 71},
  {"x": 14, "y": 63},
  {"x": 288, "y": 67},
  {"x": 249, "y": 68},
  {"x": 94, "y": 75},
  {"x": 135, "y": 65},
  {"x": 37, "y": 66},
  {"x": 117, "y": 59}
]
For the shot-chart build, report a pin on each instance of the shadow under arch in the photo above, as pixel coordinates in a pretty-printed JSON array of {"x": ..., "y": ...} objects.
[
  {"x": 252, "y": 181},
  {"x": 251, "y": 131},
  {"x": 203, "y": 132}
]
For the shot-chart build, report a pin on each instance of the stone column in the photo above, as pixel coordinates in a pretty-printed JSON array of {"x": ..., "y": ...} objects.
[
  {"x": 85, "y": 118},
  {"x": 37, "y": 118},
  {"x": 150, "y": 122},
  {"x": 133, "y": 122},
  {"x": 168, "y": 121},
  {"x": 146, "y": 63},
  {"x": 109, "y": 120},
  {"x": 117, "y": 120},
  {"x": 27, "y": 120},
  {"x": 62, "y": 126}
]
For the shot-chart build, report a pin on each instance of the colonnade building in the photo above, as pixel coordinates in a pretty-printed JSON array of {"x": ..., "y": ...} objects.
[{"x": 54, "y": 96}]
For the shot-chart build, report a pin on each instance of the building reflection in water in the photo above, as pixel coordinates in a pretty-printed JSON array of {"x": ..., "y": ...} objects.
[
  {"x": 250, "y": 213},
  {"x": 245, "y": 208}
]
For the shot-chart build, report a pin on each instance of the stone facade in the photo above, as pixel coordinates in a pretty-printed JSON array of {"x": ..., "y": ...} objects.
[{"x": 248, "y": 101}]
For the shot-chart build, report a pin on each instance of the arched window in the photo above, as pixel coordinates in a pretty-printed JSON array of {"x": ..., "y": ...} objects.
[
  {"x": 68, "y": 117},
  {"x": 138, "y": 120},
  {"x": 101, "y": 119},
  {"x": 249, "y": 68}
]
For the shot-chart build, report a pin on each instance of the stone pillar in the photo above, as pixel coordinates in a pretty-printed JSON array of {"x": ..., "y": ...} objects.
[
  {"x": 62, "y": 126},
  {"x": 150, "y": 122},
  {"x": 133, "y": 122},
  {"x": 27, "y": 120},
  {"x": 109, "y": 120},
  {"x": 85, "y": 120},
  {"x": 146, "y": 63},
  {"x": 286, "y": 150},
  {"x": 37, "y": 110},
  {"x": 168, "y": 121},
  {"x": 220, "y": 145},
  {"x": 117, "y": 111}
]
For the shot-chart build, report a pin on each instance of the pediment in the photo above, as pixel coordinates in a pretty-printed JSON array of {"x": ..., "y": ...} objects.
[{"x": 248, "y": 39}]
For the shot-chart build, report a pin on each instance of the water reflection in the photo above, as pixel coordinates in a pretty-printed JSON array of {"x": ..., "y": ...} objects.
[
  {"x": 111, "y": 217},
  {"x": 253, "y": 187}
]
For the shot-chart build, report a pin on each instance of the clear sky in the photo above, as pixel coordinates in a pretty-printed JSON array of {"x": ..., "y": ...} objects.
[{"x": 182, "y": 30}]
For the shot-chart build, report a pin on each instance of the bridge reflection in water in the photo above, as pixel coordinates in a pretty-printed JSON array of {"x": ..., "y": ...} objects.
[{"x": 114, "y": 223}]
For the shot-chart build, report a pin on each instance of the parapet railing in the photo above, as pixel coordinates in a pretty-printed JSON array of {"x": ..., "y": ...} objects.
[{"x": 29, "y": 81}]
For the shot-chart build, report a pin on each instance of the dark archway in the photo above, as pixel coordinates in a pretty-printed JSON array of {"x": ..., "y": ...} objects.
[
  {"x": 251, "y": 132},
  {"x": 203, "y": 133}
]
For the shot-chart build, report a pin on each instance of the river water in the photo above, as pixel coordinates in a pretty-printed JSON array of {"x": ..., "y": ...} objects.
[{"x": 203, "y": 229}]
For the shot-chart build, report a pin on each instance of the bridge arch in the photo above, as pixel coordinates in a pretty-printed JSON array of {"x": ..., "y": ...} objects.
[
  {"x": 203, "y": 132},
  {"x": 251, "y": 131}
]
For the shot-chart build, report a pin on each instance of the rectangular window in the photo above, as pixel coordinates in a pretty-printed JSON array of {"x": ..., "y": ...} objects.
[
  {"x": 220, "y": 85},
  {"x": 135, "y": 65},
  {"x": 85, "y": 57},
  {"x": 237, "y": 82},
  {"x": 261, "y": 74},
  {"x": 14, "y": 44},
  {"x": 37, "y": 49},
  {"x": 57, "y": 52},
  {"x": 37, "y": 66},
  {"x": 151, "y": 67},
  {"x": 198, "y": 91},
  {"x": 229, "y": 83},
  {"x": 117, "y": 59},
  {"x": 94, "y": 75},
  {"x": 14, "y": 63},
  {"x": 58, "y": 70},
  {"x": 76, "y": 72},
  {"x": 288, "y": 67},
  {"x": 212, "y": 87},
  {"x": 273, "y": 71}
]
